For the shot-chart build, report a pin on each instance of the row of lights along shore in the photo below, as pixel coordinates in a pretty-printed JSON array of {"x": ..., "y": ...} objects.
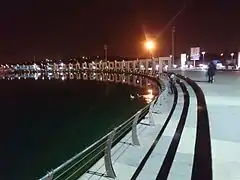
[{"x": 150, "y": 46}]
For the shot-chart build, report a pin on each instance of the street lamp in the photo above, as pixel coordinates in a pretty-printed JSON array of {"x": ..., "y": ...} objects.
[
  {"x": 203, "y": 53},
  {"x": 232, "y": 54},
  {"x": 150, "y": 45},
  {"x": 221, "y": 54}
]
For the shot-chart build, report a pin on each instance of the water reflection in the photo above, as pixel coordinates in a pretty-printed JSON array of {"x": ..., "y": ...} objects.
[
  {"x": 149, "y": 97},
  {"x": 110, "y": 77},
  {"x": 128, "y": 79}
]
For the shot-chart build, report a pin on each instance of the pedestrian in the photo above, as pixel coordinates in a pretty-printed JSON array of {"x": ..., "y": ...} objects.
[
  {"x": 211, "y": 72},
  {"x": 172, "y": 83}
]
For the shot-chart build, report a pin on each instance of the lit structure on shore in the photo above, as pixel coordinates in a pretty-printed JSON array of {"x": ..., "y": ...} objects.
[{"x": 140, "y": 65}]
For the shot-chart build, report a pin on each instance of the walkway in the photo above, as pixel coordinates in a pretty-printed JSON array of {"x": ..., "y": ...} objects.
[
  {"x": 128, "y": 161},
  {"x": 223, "y": 102}
]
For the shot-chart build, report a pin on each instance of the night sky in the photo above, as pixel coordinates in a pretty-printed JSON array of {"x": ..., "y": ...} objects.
[{"x": 58, "y": 29}]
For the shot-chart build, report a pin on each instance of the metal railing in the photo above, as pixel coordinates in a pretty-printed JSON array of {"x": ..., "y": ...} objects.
[{"x": 83, "y": 161}]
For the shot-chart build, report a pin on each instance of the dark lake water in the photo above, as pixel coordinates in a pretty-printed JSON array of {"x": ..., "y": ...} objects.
[{"x": 45, "y": 122}]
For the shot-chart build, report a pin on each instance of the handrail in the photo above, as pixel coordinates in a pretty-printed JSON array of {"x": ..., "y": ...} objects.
[
  {"x": 92, "y": 145},
  {"x": 159, "y": 135},
  {"x": 96, "y": 149}
]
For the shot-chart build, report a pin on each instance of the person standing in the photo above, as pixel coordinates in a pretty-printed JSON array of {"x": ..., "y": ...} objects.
[
  {"x": 172, "y": 83},
  {"x": 211, "y": 71}
]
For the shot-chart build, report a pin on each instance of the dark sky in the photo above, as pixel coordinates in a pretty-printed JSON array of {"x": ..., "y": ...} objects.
[{"x": 56, "y": 29}]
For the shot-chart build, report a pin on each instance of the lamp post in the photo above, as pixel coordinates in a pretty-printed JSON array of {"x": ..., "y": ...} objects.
[
  {"x": 173, "y": 45},
  {"x": 150, "y": 45},
  {"x": 106, "y": 52},
  {"x": 203, "y": 54},
  {"x": 232, "y": 54}
]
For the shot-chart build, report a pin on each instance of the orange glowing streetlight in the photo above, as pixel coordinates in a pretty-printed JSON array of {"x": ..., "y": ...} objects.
[{"x": 150, "y": 45}]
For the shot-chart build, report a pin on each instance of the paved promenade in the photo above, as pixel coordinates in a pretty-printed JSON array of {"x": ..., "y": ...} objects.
[{"x": 223, "y": 102}]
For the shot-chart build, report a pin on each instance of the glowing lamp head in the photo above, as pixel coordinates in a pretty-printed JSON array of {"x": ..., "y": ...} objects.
[
  {"x": 150, "y": 91},
  {"x": 149, "y": 45}
]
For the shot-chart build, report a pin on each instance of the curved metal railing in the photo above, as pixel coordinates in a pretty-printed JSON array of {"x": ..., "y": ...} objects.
[
  {"x": 85, "y": 159},
  {"x": 80, "y": 163}
]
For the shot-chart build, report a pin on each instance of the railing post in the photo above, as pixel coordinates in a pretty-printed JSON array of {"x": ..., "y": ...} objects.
[
  {"x": 107, "y": 157},
  {"x": 151, "y": 121},
  {"x": 135, "y": 139},
  {"x": 157, "y": 105},
  {"x": 165, "y": 93},
  {"x": 49, "y": 176}
]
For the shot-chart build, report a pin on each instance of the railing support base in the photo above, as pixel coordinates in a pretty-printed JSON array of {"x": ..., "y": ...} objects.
[
  {"x": 151, "y": 120},
  {"x": 107, "y": 157},
  {"x": 49, "y": 176},
  {"x": 135, "y": 139},
  {"x": 157, "y": 107}
]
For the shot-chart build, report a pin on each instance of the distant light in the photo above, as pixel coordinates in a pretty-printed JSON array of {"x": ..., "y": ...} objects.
[
  {"x": 150, "y": 91},
  {"x": 149, "y": 97},
  {"x": 149, "y": 45},
  {"x": 203, "y": 66}
]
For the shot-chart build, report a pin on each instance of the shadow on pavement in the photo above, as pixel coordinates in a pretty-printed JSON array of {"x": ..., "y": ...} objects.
[{"x": 200, "y": 81}]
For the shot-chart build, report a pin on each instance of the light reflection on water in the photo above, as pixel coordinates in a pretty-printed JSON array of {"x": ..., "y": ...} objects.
[
  {"x": 149, "y": 97},
  {"x": 133, "y": 80},
  {"x": 129, "y": 79}
]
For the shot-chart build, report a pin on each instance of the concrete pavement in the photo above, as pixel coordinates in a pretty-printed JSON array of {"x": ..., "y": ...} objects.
[{"x": 223, "y": 102}]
